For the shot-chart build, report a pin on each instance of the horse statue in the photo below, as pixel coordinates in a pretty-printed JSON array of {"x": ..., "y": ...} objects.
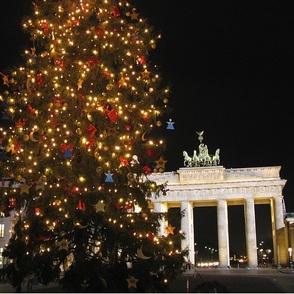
[
  {"x": 204, "y": 157},
  {"x": 216, "y": 157},
  {"x": 195, "y": 159},
  {"x": 187, "y": 159}
]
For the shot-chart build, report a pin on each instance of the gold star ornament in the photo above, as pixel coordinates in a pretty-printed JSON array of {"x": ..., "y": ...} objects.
[
  {"x": 80, "y": 84},
  {"x": 5, "y": 79},
  {"x": 122, "y": 82},
  {"x": 24, "y": 188},
  {"x": 134, "y": 15},
  {"x": 145, "y": 74},
  {"x": 170, "y": 229},
  {"x": 132, "y": 282},
  {"x": 161, "y": 162},
  {"x": 63, "y": 244},
  {"x": 100, "y": 206}
]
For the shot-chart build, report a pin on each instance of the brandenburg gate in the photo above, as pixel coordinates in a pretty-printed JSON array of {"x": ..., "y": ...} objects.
[{"x": 202, "y": 185}]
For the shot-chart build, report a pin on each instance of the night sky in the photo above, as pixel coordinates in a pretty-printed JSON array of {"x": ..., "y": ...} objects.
[{"x": 231, "y": 69}]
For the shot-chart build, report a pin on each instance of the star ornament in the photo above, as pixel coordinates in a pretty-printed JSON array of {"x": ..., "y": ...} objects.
[
  {"x": 5, "y": 79},
  {"x": 80, "y": 84},
  {"x": 100, "y": 206},
  {"x": 63, "y": 244},
  {"x": 122, "y": 83},
  {"x": 134, "y": 15},
  {"x": 145, "y": 74},
  {"x": 132, "y": 282},
  {"x": 161, "y": 162},
  {"x": 170, "y": 229},
  {"x": 24, "y": 188}
]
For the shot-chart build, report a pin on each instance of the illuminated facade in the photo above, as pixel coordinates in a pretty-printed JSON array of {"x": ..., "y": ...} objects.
[{"x": 205, "y": 186}]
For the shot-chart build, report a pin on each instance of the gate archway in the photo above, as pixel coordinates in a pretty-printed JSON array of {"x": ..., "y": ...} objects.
[{"x": 216, "y": 186}]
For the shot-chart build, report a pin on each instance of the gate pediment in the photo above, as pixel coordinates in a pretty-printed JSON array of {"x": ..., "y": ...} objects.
[
  {"x": 201, "y": 175},
  {"x": 217, "y": 174}
]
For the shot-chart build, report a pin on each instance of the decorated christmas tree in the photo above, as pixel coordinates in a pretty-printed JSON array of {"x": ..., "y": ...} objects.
[{"x": 77, "y": 148}]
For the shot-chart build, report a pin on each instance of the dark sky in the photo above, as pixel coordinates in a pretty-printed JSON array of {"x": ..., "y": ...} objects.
[
  {"x": 231, "y": 67},
  {"x": 231, "y": 64}
]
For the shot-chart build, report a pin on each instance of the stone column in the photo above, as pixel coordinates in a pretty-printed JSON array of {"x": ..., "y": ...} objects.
[
  {"x": 161, "y": 207},
  {"x": 187, "y": 226},
  {"x": 275, "y": 253},
  {"x": 250, "y": 231},
  {"x": 277, "y": 220},
  {"x": 223, "y": 234},
  {"x": 279, "y": 213}
]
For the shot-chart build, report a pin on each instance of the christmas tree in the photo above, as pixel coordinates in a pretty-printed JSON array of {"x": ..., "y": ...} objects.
[{"x": 77, "y": 149}]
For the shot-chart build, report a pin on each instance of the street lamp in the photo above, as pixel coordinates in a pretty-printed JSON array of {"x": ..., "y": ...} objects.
[
  {"x": 269, "y": 258},
  {"x": 290, "y": 255}
]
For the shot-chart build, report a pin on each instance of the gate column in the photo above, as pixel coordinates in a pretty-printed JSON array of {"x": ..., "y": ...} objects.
[
  {"x": 279, "y": 212},
  {"x": 250, "y": 231},
  {"x": 161, "y": 207},
  {"x": 187, "y": 226},
  {"x": 223, "y": 234},
  {"x": 277, "y": 217}
]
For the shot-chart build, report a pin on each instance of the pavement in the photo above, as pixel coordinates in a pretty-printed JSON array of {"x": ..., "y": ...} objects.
[
  {"x": 209, "y": 280},
  {"x": 237, "y": 280}
]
